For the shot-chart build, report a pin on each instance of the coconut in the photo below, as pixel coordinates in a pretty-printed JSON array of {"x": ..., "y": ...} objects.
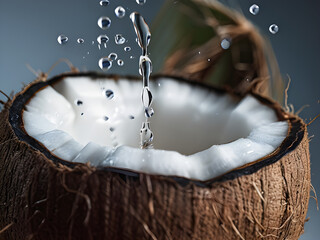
[
  {"x": 228, "y": 162},
  {"x": 226, "y": 165}
]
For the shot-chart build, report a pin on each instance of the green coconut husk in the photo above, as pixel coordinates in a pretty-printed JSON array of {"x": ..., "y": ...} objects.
[{"x": 185, "y": 28}]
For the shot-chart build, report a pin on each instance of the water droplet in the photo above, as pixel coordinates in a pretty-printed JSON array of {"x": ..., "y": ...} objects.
[
  {"x": 149, "y": 112},
  {"x": 92, "y": 42},
  {"x": 62, "y": 39},
  {"x": 119, "y": 39},
  {"x": 113, "y": 56},
  {"x": 146, "y": 97},
  {"x": 254, "y": 9},
  {"x": 111, "y": 129},
  {"x": 146, "y": 135},
  {"x": 225, "y": 43},
  {"x": 120, "y": 62},
  {"x": 105, "y": 118},
  {"x": 131, "y": 57},
  {"x": 131, "y": 117},
  {"x": 105, "y": 63},
  {"x": 120, "y": 12},
  {"x": 104, "y": 3},
  {"x": 104, "y": 22},
  {"x": 127, "y": 49},
  {"x": 78, "y": 102},
  {"x": 109, "y": 94},
  {"x": 102, "y": 39},
  {"x": 273, "y": 28},
  {"x": 142, "y": 31},
  {"x": 80, "y": 40},
  {"x": 141, "y": 2},
  {"x": 145, "y": 66}
]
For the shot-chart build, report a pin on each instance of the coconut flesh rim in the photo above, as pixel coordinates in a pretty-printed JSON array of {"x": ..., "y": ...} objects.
[{"x": 199, "y": 134}]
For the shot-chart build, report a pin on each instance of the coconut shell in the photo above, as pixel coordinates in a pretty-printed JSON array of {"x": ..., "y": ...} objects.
[{"x": 47, "y": 198}]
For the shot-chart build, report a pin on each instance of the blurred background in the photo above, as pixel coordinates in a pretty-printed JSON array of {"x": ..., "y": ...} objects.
[{"x": 29, "y": 31}]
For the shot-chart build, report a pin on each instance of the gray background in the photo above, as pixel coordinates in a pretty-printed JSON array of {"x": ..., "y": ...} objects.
[{"x": 29, "y": 29}]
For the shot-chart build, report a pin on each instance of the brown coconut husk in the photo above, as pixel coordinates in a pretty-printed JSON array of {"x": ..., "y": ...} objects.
[{"x": 44, "y": 197}]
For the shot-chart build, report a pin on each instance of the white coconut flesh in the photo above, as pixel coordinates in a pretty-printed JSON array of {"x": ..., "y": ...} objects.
[{"x": 198, "y": 134}]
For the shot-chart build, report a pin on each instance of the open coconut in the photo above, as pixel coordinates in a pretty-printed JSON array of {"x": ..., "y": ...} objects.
[
  {"x": 227, "y": 163},
  {"x": 221, "y": 164}
]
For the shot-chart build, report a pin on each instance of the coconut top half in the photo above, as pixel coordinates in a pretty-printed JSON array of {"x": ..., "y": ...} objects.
[{"x": 201, "y": 133}]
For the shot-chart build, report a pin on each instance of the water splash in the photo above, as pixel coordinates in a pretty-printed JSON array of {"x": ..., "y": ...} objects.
[
  {"x": 120, "y": 12},
  {"x": 78, "y": 102},
  {"x": 102, "y": 39},
  {"x": 273, "y": 28},
  {"x": 148, "y": 112},
  {"x": 119, "y": 39},
  {"x": 225, "y": 43},
  {"x": 105, "y": 63},
  {"x": 254, "y": 9},
  {"x": 145, "y": 68},
  {"x": 127, "y": 49},
  {"x": 146, "y": 135},
  {"x": 109, "y": 94},
  {"x": 80, "y": 40},
  {"x": 113, "y": 56},
  {"x": 104, "y": 22},
  {"x": 120, "y": 62},
  {"x": 142, "y": 31},
  {"x": 62, "y": 39},
  {"x": 146, "y": 97},
  {"x": 104, "y": 3},
  {"x": 141, "y": 2}
]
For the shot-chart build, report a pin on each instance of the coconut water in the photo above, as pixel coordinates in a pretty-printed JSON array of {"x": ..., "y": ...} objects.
[{"x": 145, "y": 68}]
